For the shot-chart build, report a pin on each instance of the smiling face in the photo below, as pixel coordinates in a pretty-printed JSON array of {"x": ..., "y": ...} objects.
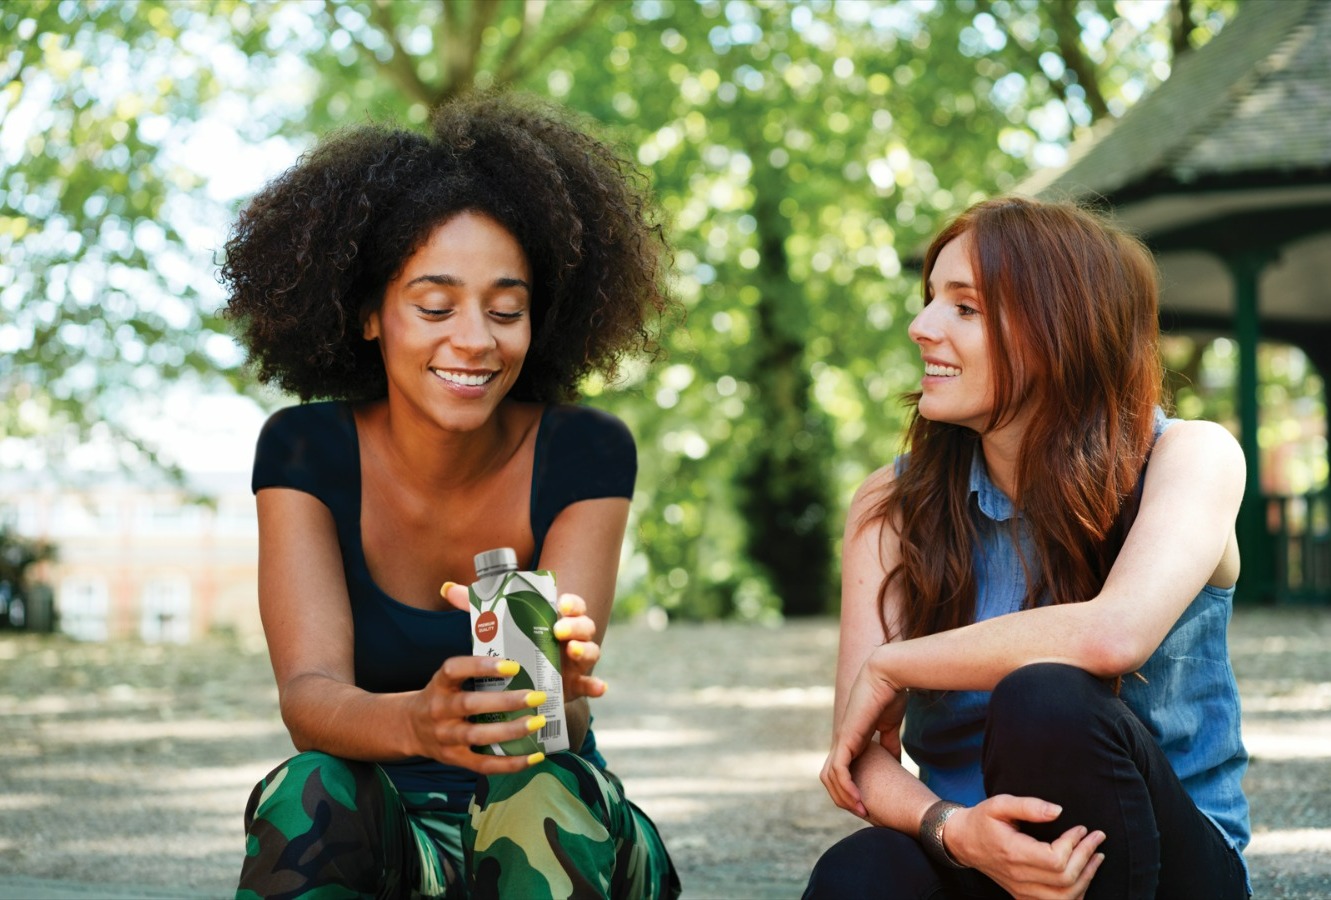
[
  {"x": 958, "y": 383},
  {"x": 455, "y": 324}
]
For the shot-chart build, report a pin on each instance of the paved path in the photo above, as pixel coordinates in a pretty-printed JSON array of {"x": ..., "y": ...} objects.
[{"x": 124, "y": 769}]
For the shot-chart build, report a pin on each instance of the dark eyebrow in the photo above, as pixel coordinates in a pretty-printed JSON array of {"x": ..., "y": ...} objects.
[
  {"x": 445, "y": 280},
  {"x": 952, "y": 286},
  {"x": 454, "y": 281}
]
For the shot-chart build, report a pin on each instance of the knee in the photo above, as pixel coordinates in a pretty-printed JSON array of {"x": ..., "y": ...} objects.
[
  {"x": 302, "y": 765},
  {"x": 1046, "y": 695},
  {"x": 1043, "y": 706},
  {"x": 872, "y": 862},
  {"x": 308, "y": 781},
  {"x": 551, "y": 783},
  {"x": 315, "y": 826},
  {"x": 558, "y": 825}
]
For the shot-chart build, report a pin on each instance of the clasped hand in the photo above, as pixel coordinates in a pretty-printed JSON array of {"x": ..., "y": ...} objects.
[
  {"x": 442, "y": 712},
  {"x": 988, "y": 836},
  {"x": 873, "y": 704}
]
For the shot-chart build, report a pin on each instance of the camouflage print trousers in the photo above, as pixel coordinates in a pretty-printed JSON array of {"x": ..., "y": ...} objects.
[{"x": 322, "y": 827}]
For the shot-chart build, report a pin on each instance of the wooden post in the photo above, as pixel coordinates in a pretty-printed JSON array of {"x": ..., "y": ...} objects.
[{"x": 1257, "y": 583}]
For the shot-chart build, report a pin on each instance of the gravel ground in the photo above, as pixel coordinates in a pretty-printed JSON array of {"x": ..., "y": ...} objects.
[{"x": 124, "y": 768}]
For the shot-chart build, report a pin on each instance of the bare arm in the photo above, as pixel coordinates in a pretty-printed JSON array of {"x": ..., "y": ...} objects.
[
  {"x": 306, "y": 614},
  {"x": 1182, "y": 538},
  {"x": 891, "y": 795}
]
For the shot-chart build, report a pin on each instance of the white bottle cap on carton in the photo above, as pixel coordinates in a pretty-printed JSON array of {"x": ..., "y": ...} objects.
[{"x": 492, "y": 562}]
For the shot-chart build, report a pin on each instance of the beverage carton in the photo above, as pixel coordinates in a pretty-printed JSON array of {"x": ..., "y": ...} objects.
[{"x": 512, "y": 617}]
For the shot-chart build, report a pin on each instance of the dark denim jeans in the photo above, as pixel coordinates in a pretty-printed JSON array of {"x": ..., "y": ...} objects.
[{"x": 1058, "y": 733}]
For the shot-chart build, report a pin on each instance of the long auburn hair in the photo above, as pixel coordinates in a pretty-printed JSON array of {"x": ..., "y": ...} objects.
[{"x": 1070, "y": 306}]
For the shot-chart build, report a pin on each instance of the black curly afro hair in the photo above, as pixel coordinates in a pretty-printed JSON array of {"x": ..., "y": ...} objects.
[{"x": 312, "y": 254}]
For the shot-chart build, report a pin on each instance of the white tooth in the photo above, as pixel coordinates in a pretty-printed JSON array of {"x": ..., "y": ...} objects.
[
  {"x": 463, "y": 379},
  {"x": 932, "y": 369}
]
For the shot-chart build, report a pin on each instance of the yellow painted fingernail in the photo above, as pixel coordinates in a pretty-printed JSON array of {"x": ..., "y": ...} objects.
[
  {"x": 443, "y": 591},
  {"x": 576, "y": 650},
  {"x": 563, "y": 629},
  {"x": 535, "y": 723},
  {"x": 535, "y": 758},
  {"x": 535, "y": 698},
  {"x": 508, "y": 668},
  {"x": 566, "y": 607}
]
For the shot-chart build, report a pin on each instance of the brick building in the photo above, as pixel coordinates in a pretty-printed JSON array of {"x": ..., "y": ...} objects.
[{"x": 144, "y": 561}]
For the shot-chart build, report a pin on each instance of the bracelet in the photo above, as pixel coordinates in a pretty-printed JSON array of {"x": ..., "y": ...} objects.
[{"x": 931, "y": 832}]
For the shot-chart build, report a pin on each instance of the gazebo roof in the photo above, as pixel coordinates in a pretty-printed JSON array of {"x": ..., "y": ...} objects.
[
  {"x": 1229, "y": 157},
  {"x": 1252, "y": 107}
]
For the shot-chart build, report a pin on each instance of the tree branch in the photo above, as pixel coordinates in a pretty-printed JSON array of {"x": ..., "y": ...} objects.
[
  {"x": 1180, "y": 27},
  {"x": 462, "y": 52},
  {"x": 1063, "y": 16},
  {"x": 459, "y": 65},
  {"x": 483, "y": 13},
  {"x": 402, "y": 66},
  {"x": 517, "y": 72},
  {"x": 1073, "y": 59},
  {"x": 443, "y": 34},
  {"x": 532, "y": 11},
  {"x": 399, "y": 67}
]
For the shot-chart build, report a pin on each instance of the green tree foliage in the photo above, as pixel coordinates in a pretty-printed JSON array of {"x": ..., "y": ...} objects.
[
  {"x": 802, "y": 151},
  {"x": 19, "y": 555},
  {"x": 107, "y": 291}
]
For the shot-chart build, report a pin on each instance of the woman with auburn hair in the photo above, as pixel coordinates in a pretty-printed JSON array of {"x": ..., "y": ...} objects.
[
  {"x": 441, "y": 296},
  {"x": 1035, "y": 597}
]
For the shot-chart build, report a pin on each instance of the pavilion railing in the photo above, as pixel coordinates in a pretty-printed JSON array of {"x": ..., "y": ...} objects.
[{"x": 1299, "y": 526}]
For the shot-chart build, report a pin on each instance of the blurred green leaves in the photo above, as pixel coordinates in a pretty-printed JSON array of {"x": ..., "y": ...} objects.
[
  {"x": 801, "y": 152},
  {"x": 107, "y": 291}
]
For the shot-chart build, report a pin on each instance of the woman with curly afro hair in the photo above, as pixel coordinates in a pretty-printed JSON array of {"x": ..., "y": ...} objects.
[{"x": 435, "y": 300}]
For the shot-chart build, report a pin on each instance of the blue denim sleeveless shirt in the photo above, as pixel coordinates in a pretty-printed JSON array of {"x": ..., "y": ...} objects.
[{"x": 1189, "y": 699}]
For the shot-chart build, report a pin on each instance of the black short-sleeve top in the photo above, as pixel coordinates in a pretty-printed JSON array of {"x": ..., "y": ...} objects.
[{"x": 580, "y": 454}]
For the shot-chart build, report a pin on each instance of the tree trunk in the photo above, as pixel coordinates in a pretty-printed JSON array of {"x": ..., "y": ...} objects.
[{"x": 784, "y": 492}]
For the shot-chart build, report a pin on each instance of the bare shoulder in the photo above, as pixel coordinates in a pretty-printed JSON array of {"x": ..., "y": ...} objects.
[
  {"x": 879, "y": 480},
  {"x": 871, "y": 545},
  {"x": 1205, "y": 449},
  {"x": 870, "y": 495}
]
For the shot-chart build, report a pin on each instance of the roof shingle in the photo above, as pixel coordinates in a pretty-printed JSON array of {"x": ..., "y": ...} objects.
[{"x": 1255, "y": 100}]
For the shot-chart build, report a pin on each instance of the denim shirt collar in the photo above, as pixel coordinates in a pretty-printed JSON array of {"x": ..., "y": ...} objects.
[{"x": 993, "y": 502}]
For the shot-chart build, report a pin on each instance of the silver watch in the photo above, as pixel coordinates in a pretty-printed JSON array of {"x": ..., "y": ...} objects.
[{"x": 931, "y": 832}]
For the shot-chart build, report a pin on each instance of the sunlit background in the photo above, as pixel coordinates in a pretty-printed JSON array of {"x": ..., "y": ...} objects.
[{"x": 802, "y": 153}]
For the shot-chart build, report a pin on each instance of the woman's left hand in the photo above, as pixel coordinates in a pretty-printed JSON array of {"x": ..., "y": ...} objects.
[
  {"x": 576, "y": 633},
  {"x": 873, "y": 704}
]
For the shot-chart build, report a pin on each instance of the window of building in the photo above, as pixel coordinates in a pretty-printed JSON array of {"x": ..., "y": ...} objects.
[
  {"x": 165, "y": 611},
  {"x": 84, "y": 603}
]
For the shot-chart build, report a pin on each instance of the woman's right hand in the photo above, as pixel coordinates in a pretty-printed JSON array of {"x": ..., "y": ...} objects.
[
  {"x": 441, "y": 716},
  {"x": 987, "y": 837},
  {"x": 873, "y": 703}
]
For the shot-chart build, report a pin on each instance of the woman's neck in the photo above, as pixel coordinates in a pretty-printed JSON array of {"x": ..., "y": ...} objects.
[
  {"x": 418, "y": 451},
  {"x": 1002, "y": 448}
]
